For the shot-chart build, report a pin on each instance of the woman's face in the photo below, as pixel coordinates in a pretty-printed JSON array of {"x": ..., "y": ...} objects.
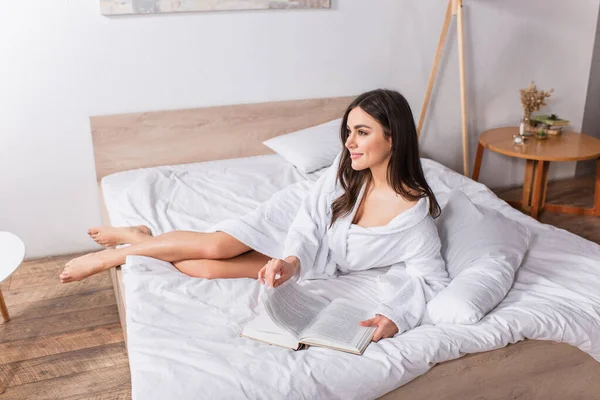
[{"x": 366, "y": 141}]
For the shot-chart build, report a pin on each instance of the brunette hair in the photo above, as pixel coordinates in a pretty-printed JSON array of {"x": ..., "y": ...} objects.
[{"x": 404, "y": 173}]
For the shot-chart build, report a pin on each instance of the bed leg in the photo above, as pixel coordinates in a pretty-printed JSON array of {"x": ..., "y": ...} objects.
[{"x": 114, "y": 277}]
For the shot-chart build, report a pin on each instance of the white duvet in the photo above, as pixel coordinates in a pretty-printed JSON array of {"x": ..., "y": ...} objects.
[{"x": 183, "y": 333}]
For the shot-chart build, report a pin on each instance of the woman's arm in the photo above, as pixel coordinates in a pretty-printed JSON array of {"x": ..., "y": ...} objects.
[
  {"x": 407, "y": 289},
  {"x": 306, "y": 231},
  {"x": 407, "y": 286},
  {"x": 311, "y": 221}
]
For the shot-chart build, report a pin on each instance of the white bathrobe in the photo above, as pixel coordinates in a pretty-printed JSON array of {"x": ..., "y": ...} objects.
[{"x": 299, "y": 216}]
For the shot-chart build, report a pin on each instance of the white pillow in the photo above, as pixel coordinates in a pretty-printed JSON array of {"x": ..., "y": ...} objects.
[
  {"x": 309, "y": 149},
  {"x": 483, "y": 249}
]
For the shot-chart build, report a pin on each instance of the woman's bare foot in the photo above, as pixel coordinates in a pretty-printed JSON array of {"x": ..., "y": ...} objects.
[
  {"x": 81, "y": 267},
  {"x": 109, "y": 236}
]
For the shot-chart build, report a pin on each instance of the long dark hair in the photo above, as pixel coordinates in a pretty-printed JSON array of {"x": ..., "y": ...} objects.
[{"x": 404, "y": 173}]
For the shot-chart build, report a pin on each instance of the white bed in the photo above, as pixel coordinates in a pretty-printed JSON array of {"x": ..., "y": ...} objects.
[{"x": 183, "y": 333}]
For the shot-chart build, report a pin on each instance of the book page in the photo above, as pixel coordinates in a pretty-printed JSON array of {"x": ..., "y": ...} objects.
[
  {"x": 293, "y": 307},
  {"x": 264, "y": 329},
  {"x": 338, "y": 325}
]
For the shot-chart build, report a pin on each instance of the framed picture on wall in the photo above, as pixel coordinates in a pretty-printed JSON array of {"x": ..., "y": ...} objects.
[{"x": 119, "y": 7}]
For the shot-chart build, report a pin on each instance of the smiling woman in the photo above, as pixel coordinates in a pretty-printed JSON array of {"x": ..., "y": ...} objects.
[
  {"x": 373, "y": 211},
  {"x": 116, "y": 7},
  {"x": 383, "y": 154}
]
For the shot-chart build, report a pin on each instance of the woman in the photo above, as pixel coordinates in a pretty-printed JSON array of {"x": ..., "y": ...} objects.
[{"x": 371, "y": 208}]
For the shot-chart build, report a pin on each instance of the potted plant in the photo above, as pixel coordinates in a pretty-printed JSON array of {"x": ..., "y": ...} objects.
[{"x": 532, "y": 100}]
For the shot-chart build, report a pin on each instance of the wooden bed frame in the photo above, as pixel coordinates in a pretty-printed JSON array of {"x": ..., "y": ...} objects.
[{"x": 124, "y": 142}]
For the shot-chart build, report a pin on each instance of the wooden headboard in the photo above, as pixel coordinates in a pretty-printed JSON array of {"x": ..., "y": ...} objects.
[{"x": 129, "y": 141}]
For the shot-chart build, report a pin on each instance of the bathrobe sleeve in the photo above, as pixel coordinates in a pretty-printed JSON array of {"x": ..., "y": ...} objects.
[
  {"x": 407, "y": 286},
  {"x": 312, "y": 220}
]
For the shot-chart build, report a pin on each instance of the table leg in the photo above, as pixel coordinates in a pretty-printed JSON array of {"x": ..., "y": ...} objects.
[
  {"x": 529, "y": 169},
  {"x": 537, "y": 188},
  {"x": 3, "y": 308},
  {"x": 544, "y": 184},
  {"x": 477, "y": 164},
  {"x": 561, "y": 208},
  {"x": 596, "y": 210}
]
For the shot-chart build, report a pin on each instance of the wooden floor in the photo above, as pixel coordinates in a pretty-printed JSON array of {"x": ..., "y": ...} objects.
[{"x": 65, "y": 341}]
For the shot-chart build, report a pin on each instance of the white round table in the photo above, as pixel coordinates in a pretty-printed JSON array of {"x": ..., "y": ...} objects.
[{"x": 12, "y": 252}]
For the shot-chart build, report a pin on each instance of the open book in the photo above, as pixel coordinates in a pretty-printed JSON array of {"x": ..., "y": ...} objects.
[{"x": 295, "y": 317}]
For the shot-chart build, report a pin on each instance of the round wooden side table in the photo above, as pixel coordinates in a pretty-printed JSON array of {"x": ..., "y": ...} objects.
[{"x": 568, "y": 146}]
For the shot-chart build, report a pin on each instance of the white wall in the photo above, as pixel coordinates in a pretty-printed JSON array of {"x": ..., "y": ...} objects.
[
  {"x": 62, "y": 62},
  {"x": 508, "y": 44}
]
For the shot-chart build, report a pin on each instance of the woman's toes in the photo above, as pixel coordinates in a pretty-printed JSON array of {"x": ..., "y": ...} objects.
[
  {"x": 84, "y": 266},
  {"x": 65, "y": 275}
]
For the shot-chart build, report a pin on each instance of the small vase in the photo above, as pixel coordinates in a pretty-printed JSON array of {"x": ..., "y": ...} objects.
[
  {"x": 525, "y": 128},
  {"x": 522, "y": 129}
]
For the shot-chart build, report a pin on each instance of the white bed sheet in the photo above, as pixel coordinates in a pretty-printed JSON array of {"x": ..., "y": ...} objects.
[
  {"x": 196, "y": 196},
  {"x": 183, "y": 333}
]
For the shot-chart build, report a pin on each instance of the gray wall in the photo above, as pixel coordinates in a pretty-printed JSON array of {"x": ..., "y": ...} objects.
[{"x": 591, "y": 115}]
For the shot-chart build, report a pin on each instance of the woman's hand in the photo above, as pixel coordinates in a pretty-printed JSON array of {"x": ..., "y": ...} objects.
[
  {"x": 284, "y": 268},
  {"x": 385, "y": 327}
]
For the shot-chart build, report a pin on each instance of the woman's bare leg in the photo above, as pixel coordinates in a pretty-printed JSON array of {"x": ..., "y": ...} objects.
[
  {"x": 245, "y": 265},
  {"x": 110, "y": 236},
  {"x": 172, "y": 247}
]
